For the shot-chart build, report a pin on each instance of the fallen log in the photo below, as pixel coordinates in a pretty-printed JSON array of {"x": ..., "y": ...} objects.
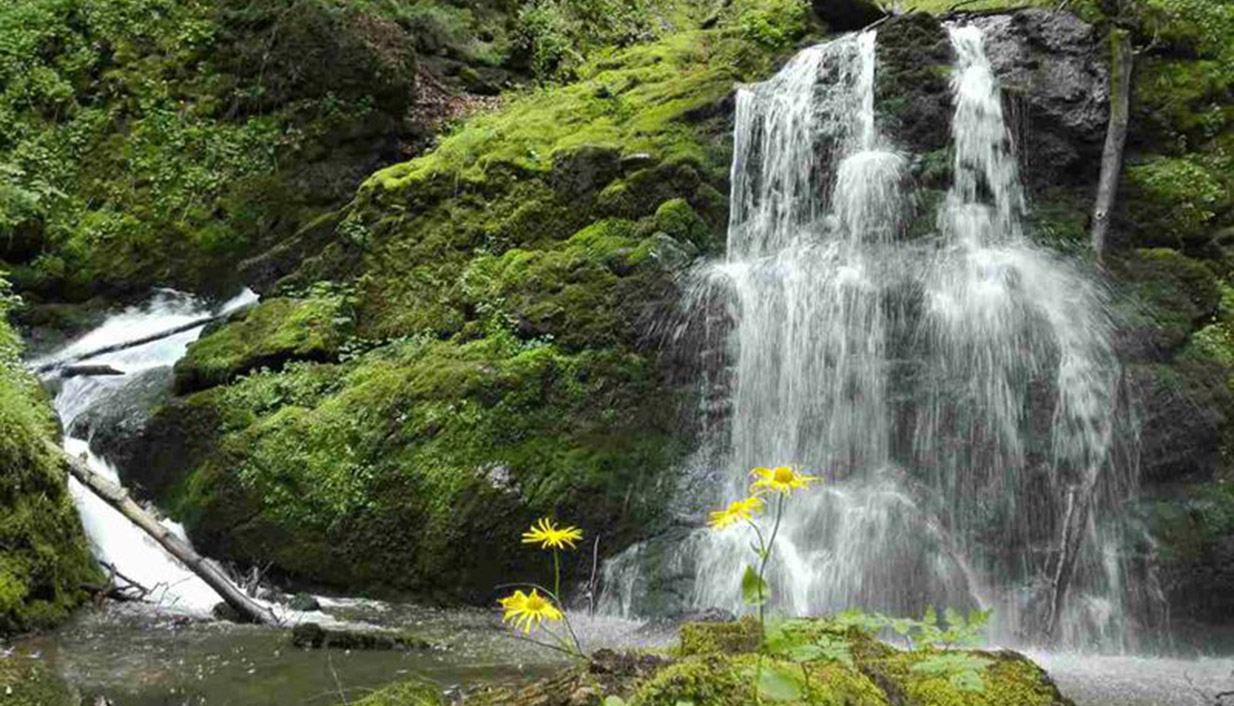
[
  {"x": 1121, "y": 59},
  {"x": 87, "y": 370},
  {"x": 117, "y": 497},
  {"x": 116, "y": 347}
]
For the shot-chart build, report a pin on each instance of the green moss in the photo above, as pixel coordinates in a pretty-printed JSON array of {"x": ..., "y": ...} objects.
[
  {"x": 1174, "y": 201},
  {"x": 1167, "y": 293},
  {"x": 30, "y": 683},
  {"x": 44, "y": 561},
  {"x": 727, "y": 638},
  {"x": 399, "y": 468},
  {"x": 1007, "y": 678},
  {"x": 404, "y": 694},
  {"x": 272, "y": 333},
  {"x": 725, "y": 680},
  {"x": 233, "y": 121}
]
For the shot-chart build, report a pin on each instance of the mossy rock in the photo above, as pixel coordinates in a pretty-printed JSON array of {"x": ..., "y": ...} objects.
[
  {"x": 1167, "y": 294},
  {"x": 873, "y": 674},
  {"x": 401, "y": 469},
  {"x": 30, "y": 683},
  {"x": 726, "y": 638},
  {"x": 273, "y": 332},
  {"x": 45, "y": 564},
  {"x": 1175, "y": 201}
]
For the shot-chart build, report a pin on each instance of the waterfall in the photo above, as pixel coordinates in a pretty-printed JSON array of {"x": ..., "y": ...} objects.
[
  {"x": 113, "y": 538},
  {"x": 958, "y": 393}
]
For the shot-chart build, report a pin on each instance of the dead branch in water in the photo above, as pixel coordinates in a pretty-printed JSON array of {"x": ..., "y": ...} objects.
[{"x": 117, "y": 497}]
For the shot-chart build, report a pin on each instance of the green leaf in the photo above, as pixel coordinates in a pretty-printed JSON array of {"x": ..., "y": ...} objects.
[
  {"x": 776, "y": 684},
  {"x": 614, "y": 701},
  {"x": 754, "y": 589}
]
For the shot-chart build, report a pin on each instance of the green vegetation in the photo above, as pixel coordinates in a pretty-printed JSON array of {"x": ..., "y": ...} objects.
[
  {"x": 316, "y": 327},
  {"x": 158, "y": 141},
  {"x": 44, "y": 561},
  {"x": 29, "y": 683}
]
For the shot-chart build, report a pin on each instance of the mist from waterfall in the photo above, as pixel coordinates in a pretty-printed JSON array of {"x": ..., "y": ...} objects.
[{"x": 959, "y": 393}]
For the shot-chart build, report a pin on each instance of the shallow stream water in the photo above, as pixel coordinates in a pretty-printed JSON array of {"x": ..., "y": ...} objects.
[{"x": 140, "y": 656}]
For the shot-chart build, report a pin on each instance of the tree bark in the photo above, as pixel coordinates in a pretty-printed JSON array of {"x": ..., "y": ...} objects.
[
  {"x": 117, "y": 497},
  {"x": 1121, "y": 60}
]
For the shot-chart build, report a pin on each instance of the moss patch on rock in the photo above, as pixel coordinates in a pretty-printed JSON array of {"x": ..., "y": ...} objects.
[
  {"x": 44, "y": 561},
  {"x": 271, "y": 334}
]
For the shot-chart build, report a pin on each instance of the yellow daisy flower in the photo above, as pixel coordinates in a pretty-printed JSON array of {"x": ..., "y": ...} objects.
[
  {"x": 549, "y": 536},
  {"x": 782, "y": 479},
  {"x": 528, "y": 611},
  {"x": 736, "y": 512}
]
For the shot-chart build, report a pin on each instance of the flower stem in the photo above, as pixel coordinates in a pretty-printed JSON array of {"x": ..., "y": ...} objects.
[{"x": 762, "y": 568}]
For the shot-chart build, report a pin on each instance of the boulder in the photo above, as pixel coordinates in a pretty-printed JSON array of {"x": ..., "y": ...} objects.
[
  {"x": 115, "y": 422},
  {"x": 847, "y": 15}
]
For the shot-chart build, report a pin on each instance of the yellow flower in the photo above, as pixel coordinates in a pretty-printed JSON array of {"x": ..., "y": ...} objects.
[
  {"x": 736, "y": 512},
  {"x": 527, "y": 611},
  {"x": 549, "y": 536},
  {"x": 783, "y": 479}
]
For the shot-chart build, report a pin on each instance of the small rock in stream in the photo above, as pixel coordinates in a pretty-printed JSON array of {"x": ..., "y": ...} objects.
[{"x": 314, "y": 636}]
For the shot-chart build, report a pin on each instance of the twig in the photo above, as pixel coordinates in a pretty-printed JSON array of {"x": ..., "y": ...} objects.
[{"x": 337, "y": 684}]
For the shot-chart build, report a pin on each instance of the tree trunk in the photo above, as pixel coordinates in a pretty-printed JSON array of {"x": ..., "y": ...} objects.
[
  {"x": 1115, "y": 138},
  {"x": 117, "y": 497}
]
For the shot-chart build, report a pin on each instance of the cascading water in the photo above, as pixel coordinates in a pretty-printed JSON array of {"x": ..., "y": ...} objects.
[
  {"x": 959, "y": 393},
  {"x": 115, "y": 540}
]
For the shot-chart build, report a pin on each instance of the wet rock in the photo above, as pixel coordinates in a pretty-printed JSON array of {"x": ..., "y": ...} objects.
[
  {"x": 314, "y": 636},
  {"x": 75, "y": 371},
  {"x": 913, "y": 98},
  {"x": 1183, "y": 409},
  {"x": 847, "y": 15},
  {"x": 115, "y": 422},
  {"x": 1053, "y": 69}
]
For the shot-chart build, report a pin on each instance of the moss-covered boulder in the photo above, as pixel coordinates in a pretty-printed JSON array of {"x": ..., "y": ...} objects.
[
  {"x": 45, "y": 564},
  {"x": 854, "y": 670}
]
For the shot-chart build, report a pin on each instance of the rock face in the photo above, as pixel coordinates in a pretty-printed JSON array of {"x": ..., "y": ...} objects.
[{"x": 1053, "y": 68}]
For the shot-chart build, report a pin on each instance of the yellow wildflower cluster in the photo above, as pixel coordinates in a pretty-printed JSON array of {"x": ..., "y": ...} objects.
[
  {"x": 781, "y": 479},
  {"x": 528, "y": 610}
]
